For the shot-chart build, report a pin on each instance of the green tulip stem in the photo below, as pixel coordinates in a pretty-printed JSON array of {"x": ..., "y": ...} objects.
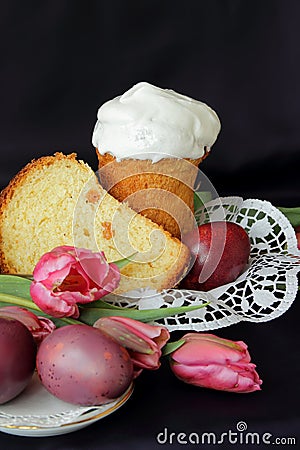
[
  {"x": 292, "y": 214},
  {"x": 8, "y": 299},
  {"x": 90, "y": 315},
  {"x": 170, "y": 347},
  {"x": 19, "y": 301}
]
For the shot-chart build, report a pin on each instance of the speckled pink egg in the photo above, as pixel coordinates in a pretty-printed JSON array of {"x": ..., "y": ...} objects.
[{"x": 81, "y": 365}]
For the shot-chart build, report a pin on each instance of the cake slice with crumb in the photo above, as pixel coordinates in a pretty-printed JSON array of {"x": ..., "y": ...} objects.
[{"x": 57, "y": 200}]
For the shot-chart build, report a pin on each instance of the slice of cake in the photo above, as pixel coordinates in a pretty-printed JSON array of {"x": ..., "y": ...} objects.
[{"x": 57, "y": 200}]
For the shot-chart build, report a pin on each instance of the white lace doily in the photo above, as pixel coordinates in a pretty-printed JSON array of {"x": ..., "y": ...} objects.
[{"x": 265, "y": 291}]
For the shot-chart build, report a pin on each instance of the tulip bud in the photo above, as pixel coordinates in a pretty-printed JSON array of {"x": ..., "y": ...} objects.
[
  {"x": 39, "y": 327},
  {"x": 208, "y": 361},
  {"x": 143, "y": 341}
]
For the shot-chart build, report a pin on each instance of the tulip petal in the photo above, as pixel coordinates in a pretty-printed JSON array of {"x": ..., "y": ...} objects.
[
  {"x": 213, "y": 376},
  {"x": 73, "y": 297},
  {"x": 110, "y": 282},
  {"x": 239, "y": 346},
  {"x": 39, "y": 327},
  {"x": 47, "y": 326},
  {"x": 73, "y": 282},
  {"x": 124, "y": 334},
  {"x": 52, "y": 269},
  {"x": 93, "y": 266},
  {"x": 248, "y": 378},
  {"x": 203, "y": 351},
  {"x": 51, "y": 304},
  {"x": 29, "y": 319},
  {"x": 64, "y": 249},
  {"x": 159, "y": 334},
  {"x": 143, "y": 361}
]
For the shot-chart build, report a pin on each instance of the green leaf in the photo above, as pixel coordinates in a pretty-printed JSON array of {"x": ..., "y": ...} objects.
[
  {"x": 90, "y": 315},
  {"x": 15, "y": 290},
  {"x": 62, "y": 322},
  {"x": 16, "y": 286},
  {"x": 170, "y": 347},
  {"x": 9, "y": 299},
  {"x": 292, "y": 214},
  {"x": 200, "y": 198},
  {"x": 102, "y": 304},
  {"x": 123, "y": 262}
]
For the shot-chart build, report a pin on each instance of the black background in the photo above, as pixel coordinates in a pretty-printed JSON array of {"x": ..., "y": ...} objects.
[{"x": 60, "y": 60}]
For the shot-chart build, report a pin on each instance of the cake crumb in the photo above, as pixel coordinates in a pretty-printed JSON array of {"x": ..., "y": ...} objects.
[
  {"x": 93, "y": 196},
  {"x": 86, "y": 232},
  {"x": 108, "y": 231}
]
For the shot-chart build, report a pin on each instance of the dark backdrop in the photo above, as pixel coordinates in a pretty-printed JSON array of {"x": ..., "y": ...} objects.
[{"x": 61, "y": 59}]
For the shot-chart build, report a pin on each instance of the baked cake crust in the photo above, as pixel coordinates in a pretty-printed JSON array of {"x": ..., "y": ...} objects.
[{"x": 163, "y": 281}]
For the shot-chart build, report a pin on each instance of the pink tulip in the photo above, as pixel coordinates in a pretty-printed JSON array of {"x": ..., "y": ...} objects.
[
  {"x": 208, "y": 361},
  {"x": 143, "y": 341},
  {"x": 39, "y": 327},
  {"x": 67, "y": 276}
]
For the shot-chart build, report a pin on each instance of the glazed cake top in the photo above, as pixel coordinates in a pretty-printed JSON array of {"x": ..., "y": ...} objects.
[{"x": 148, "y": 122}]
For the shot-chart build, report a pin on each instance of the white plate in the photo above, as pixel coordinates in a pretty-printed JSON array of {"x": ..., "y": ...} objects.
[{"x": 36, "y": 412}]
